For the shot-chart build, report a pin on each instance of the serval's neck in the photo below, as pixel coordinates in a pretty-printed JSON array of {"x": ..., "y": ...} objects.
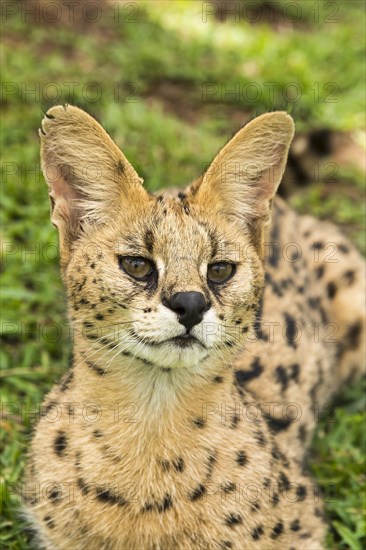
[{"x": 156, "y": 392}]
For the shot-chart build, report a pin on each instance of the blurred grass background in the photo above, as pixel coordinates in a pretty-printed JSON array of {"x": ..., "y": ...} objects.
[{"x": 171, "y": 81}]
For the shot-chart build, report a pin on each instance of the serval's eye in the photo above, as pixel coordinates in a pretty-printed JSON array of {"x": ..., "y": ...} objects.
[
  {"x": 136, "y": 267},
  {"x": 220, "y": 272}
]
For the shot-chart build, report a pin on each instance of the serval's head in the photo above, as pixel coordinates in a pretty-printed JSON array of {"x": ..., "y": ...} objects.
[{"x": 167, "y": 278}]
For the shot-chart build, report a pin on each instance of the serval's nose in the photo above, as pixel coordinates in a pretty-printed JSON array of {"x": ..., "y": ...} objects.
[{"x": 189, "y": 307}]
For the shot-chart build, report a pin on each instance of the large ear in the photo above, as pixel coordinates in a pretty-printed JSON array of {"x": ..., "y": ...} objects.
[
  {"x": 87, "y": 174},
  {"x": 243, "y": 178}
]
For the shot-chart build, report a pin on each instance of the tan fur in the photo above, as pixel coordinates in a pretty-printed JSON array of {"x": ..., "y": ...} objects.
[{"x": 144, "y": 445}]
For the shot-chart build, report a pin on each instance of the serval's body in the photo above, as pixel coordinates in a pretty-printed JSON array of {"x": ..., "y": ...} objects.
[{"x": 153, "y": 445}]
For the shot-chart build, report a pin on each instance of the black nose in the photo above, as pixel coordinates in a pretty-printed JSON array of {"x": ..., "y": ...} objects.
[{"x": 189, "y": 306}]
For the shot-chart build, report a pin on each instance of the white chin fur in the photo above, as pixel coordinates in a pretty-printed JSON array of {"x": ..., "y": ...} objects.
[
  {"x": 170, "y": 355},
  {"x": 164, "y": 325}
]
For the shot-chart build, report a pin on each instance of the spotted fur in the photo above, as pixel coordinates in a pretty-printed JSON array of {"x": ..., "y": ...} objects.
[{"x": 148, "y": 445}]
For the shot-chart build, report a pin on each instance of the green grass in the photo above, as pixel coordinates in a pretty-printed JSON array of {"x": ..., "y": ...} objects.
[{"x": 169, "y": 129}]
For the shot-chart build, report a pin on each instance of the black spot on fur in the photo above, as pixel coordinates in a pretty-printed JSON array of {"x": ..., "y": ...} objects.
[
  {"x": 241, "y": 458},
  {"x": 313, "y": 302},
  {"x": 107, "y": 342},
  {"x": 318, "y": 513},
  {"x": 98, "y": 370},
  {"x": 99, "y": 317},
  {"x": 49, "y": 522},
  {"x": 317, "y": 245},
  {"x": 178, "y": 464},
  {"x": 275, "y": 452},
  {"x": 228, "y": 487},
  {"x": 98, "y": 434},
  {"x": 319, "y": 272},
  {"x": 281, "y": 378},
  {"x": 349, "y": 277},
  {"x": 91, "y": 336},
  {"x": 55, "y": 495},
  {"x": 261, "y": 438},
  {"x": 331, "y": 290},
  {"x": 243, "y": 376},
  {"x": 291, "y": 330},
  {"x": 353, "y": 335},
  {"x": 214, "y": 242},
  {"x": 182, "y": 196},
  {"x": 218, "y": 379},
  {"x": 313, "y": 393},
  {"x": 286, "y": 283},
  {"x": 149, "y": 240},
  {"x": 277, "y": 530},
  {"x": 230, "y": 343},
  {"x": 105, "y": 495},
  {"x": 277, "y": 424},
  {"x": 199, "y": 422},
  {"x": 60, "y": 443},
  {"x": 283, "y": 482},
  {"x": 295, "y": 525},
  {"x": 198, "y": 492},
  {"x": 225, "y": 544},
  {"x": 66, "y": 381},
  {"x": 257, "y": 532},
  {"x": 78, "y": 460},
  {"x": 257, "y": 325},
  {"x": 83, "y": 486},
  {"x": 274, "y": 286},
  {"x": 302, "y": 433},
  {"x": 48, "y": 407},
  {"x": 295, "y": 371},
  {"x": 301, "y": 492},
  {"x": 233, "y": 519},
  {"x": 343, "y": 248},
  {"x": 120, "y": 167},
  {"x": 212, "y": 457},
  {"x": 234, "y": 421},
  {"x": 166, "y": 504},
  {"x": 275, "y": 249},
  {"x": 82, "y": 284}
]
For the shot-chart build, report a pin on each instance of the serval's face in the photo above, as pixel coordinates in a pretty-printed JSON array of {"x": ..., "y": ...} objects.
[
  {"x": 165, "y": 282},
  {"x": 168, "y": 279}
]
